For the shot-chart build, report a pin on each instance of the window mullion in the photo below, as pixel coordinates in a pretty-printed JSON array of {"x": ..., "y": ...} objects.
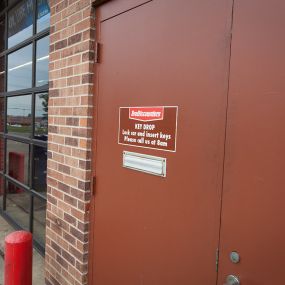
[
  {"x": 5, "y": 55},
  {"x": 31, "y": 172},
  {"x": 4, "y": 171},
  {"x": 35, "y": 10},
  {"x": 6, "y": 30},
  {"x": 34, "y": 45},
  {"x": 25, "y": 42},
  {"x": 31, "y": 213}
]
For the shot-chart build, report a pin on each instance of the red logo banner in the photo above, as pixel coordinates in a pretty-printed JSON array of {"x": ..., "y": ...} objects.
[{"x": 146, "y": 114}]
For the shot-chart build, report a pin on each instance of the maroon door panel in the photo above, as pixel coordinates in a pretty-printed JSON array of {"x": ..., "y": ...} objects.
[
  {"x": 148, "y": 229},
  {"x": 253, "y": 198}
]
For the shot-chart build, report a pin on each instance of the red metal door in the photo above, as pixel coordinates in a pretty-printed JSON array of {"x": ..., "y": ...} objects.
[
  {"x": 148, "y": 229},
  {"x": 253, "y": 197}
]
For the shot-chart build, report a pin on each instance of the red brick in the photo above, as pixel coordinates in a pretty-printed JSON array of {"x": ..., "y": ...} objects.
[
  {"x": 61, "y": 44},
  {"x": 74, "y": 39}
]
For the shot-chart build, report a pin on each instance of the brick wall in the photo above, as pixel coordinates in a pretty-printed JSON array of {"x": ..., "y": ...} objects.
[{"x": 69, "y": 148}]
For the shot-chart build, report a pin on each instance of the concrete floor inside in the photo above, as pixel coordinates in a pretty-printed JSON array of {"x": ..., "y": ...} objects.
[{"x": 38, "y": 260}]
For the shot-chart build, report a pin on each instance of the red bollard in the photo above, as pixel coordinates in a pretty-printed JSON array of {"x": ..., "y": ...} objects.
[{"x": 18, "y": 258}]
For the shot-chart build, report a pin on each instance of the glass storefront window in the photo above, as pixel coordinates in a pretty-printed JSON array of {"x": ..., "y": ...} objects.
[
  {"x": 2, "y": 73},
  {"x": 20, "y": 22},
  {"x": 18, "y": 205},
  {"x": 2, "y": 34},
  {"x": 40, "y": 170},
  {"x": 11, "y": 2},
  {"x": 2, "y": 107},
  {"x": 43, "y": 15},
  {"x": 41, "y": 116},
  {"x": 20, "y": 69},
  {"x": 42, "y": 61},
  {"x": 39, "y": 219},
  {"x": 1, "y": 191},
  {"x": 19, "y": 115},
  {"x": 2, "y": 4},
  {"x": 2, "y": 146},
  {"x": 24, "y": 50},
  {"x": 18, "y": 161}
]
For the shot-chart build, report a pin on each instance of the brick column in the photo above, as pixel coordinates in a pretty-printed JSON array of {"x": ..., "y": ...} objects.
[{"x": 69, "y": 148}]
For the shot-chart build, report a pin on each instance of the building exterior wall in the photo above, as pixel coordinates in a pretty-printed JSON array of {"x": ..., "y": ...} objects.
[{"x": 69, "y": 148}]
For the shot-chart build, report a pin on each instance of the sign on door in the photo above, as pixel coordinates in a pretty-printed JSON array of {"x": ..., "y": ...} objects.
[{"x": 148, "y": 127}]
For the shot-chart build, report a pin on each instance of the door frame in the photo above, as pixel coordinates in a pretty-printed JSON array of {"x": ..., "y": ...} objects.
[{"x": 90, "y": 275}]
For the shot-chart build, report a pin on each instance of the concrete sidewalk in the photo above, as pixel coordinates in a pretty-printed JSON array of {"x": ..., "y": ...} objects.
[{"x": 38, "y": 260}]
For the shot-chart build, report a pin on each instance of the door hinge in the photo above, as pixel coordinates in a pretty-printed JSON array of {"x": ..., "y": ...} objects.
[
  {"x": 97, "y": 52},
  {"x": 93, "y": 185},
  {"x": 217, "y": 259}
]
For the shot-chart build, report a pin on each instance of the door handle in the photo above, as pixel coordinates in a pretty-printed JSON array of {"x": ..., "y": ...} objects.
[{"x": 232, "y": 280}]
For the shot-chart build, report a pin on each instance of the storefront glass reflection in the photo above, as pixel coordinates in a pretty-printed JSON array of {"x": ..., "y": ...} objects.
[
  {"x": 1, "y": 191},
  {"x": 2, "y": 146},
  {"x": 20, "y": 22},
  {"x": 40, "y": 170},
  {"x": 41, "y": 116},
  {"x": 18, "y": 205},
  {"x": 11, "y": 2},
  {"x": 43, "y": 16},
  {"x": 20, "y": 69},
  {"x": 19, "y": 115},
  {"x": 42, "y": 61},
  {"x": 24, "y": 50},
  {"x": 2, "y": 5},
  {"x": 2, "y": 114},
  {"x": 18, "y": 162},
  {"x": 2, "y": 33},
  {"x": 2, "y": 74},
  {"x": 39, "y": 220}
]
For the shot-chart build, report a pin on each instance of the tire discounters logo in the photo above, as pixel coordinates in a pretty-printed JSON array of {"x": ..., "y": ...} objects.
[{"x": 146, "y": 114}]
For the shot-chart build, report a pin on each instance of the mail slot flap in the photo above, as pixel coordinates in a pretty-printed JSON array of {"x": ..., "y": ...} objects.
[{"x": 145, "y": 163}]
